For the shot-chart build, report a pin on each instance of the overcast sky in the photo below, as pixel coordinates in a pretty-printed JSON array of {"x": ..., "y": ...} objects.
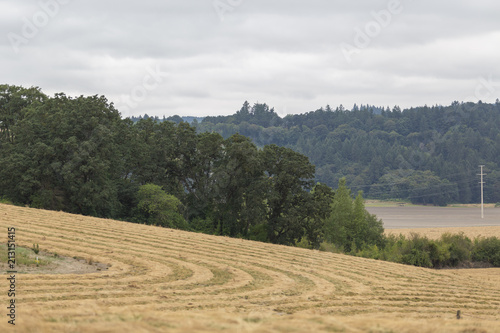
[{"x": 206, "y": 57}]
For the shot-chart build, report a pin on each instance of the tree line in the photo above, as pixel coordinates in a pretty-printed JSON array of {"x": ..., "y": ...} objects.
[
  {"x": 78, "y": 155},
  {"x": 426, "y": 155}
]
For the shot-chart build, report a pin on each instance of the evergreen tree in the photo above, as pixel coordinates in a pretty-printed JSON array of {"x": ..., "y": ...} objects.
[{"x": 349, "y": 225}]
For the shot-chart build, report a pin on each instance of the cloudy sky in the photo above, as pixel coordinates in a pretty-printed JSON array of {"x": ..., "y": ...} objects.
[{"x": 206, "y": 57}]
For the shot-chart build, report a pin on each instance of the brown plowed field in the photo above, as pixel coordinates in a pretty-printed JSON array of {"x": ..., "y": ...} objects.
[{"x": 163, "y": 280}]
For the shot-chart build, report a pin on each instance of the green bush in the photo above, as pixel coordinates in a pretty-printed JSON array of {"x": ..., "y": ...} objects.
[
  {"x": 487, "y": 250},
  {"x": 47, "y": 199},
  {"x": 392, "y": 250},
  {"x": 439, "y": 253},
  {"x": 5, "y": 200},
  {"x": 372, "y": 252},
  {"x": 205, "y": 226},
  {"x": 304, "y": 243},
  {"x": 156, "y": 207},
  {"x": 416, "y": 251},
  {"x": 258, "y": 232},
  {"x": 459, "y": 247},
  {"x": 449, "y": 251},
  {"x": 417, "y": 257},
  {"x": 329, "y": 247}
]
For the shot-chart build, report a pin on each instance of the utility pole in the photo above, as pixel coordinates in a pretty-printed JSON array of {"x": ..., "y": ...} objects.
[{"x": 482, "y": 183}]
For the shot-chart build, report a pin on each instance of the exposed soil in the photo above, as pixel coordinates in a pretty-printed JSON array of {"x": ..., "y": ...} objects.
[{"x": 58, "y": 265}]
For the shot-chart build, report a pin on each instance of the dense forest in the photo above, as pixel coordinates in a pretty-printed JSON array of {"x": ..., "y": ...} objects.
[{"x": 427, "y": 155}]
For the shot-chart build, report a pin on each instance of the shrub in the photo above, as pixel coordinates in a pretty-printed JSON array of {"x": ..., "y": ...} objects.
[
  {"x": 487, "y": 250},
  {"x": 416, "y": 251},
  {"x": 439, "y": 253},
  {"x": 392, "y": 250},
  {"x": 205, "y": 226},
  {"x": 5, "y": 200},
  {"x": 159, "y": 208},
  {"x": 304, "y": 243},
  {"x": 449, "y": 250},
  {"x": 329, "y": 247},
  {"x": 258, "y": 232},
  {"x": 371, "y": 251},
  {"x": 459, "y": 247}
]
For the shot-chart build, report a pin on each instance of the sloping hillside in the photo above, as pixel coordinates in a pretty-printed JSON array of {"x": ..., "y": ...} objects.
[{"x": 167, "y": 280}]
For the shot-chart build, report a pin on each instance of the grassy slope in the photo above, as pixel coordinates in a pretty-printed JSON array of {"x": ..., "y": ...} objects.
[{"x": 163, "y": 279}]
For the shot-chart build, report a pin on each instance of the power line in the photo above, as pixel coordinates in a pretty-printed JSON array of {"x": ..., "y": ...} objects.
[{"x": 465, "y": 178}]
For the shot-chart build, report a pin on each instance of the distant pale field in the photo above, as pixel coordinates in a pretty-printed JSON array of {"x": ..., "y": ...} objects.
[
  {"x": 164, "y": 280},
  {"x": 410, "y": 217},
  {"x": 381, "y": 203},
  {"x": 435, "y": 233}
]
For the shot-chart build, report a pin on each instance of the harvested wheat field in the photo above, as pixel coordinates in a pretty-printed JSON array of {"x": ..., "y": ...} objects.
[{"x": 163, "y": 280}]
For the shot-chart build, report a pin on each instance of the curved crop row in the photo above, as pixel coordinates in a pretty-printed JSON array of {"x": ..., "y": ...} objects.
[{"x": 160, "y": 278}]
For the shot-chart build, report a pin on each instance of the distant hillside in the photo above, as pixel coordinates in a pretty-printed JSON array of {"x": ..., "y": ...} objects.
[{"x": 428, "y": 155}]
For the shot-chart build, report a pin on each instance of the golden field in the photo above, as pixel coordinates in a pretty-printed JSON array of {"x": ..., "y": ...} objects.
[
  {"x": 435, "y": 233},
  {"x": 163, "y": 280}
]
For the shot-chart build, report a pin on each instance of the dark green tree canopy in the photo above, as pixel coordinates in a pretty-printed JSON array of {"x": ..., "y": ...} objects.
[{"x": 78, "y": 155}]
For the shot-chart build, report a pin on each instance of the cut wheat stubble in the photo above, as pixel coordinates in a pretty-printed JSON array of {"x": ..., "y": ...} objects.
[{"x": 246, "y": 285}]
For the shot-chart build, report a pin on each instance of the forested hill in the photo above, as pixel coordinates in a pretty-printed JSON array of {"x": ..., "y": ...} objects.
[
  {"x": 425, "y": 154},
  {"x": 79, "y": 155}
]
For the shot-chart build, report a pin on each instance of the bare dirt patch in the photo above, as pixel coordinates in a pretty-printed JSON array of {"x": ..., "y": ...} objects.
[{"x": 54, "y": 264}]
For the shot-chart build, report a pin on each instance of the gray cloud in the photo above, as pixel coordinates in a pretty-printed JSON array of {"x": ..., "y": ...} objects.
[{"x": 286, "y": 53}]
